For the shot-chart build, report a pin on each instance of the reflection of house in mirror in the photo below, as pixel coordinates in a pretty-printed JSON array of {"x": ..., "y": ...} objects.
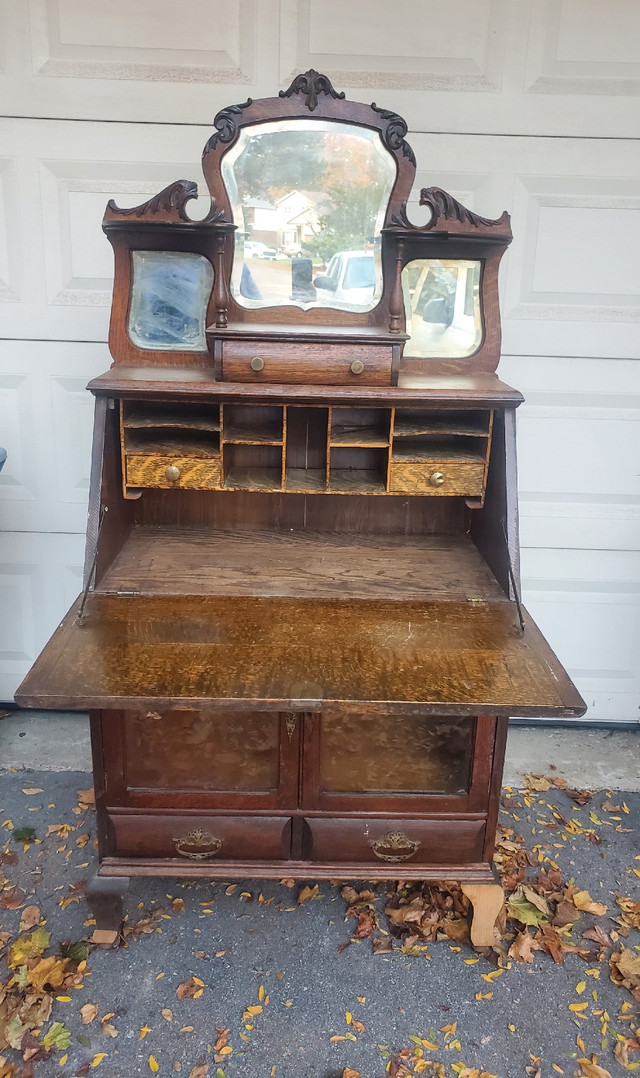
[{"x": 288, "y": 222}]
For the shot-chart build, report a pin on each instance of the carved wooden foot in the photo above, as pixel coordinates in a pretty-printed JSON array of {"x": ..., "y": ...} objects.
[
  {"x": 487, "y": 900},
  {"x": 104, "y": 895}
]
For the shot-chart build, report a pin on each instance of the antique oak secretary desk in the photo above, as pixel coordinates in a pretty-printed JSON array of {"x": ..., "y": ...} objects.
[{"x": 301, "y": 636}]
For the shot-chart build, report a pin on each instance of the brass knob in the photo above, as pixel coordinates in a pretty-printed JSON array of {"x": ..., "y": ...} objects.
[
  {"x": 257, "y": 363},
  {"x": 437, "y": 479},
  {"x": 357, "y": 366},
  {"x": 172, "y": 473}
]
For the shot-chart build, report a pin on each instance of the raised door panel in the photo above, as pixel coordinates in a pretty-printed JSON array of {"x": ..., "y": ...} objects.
[
  {"x": 396, "y": 763},
  {"x": 197, "y": 759}
]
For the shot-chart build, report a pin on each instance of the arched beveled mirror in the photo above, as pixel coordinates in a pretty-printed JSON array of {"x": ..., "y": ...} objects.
[{"x": 309, "y": 199}]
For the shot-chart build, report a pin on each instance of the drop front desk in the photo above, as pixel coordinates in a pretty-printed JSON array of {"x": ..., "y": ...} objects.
[{"x": 301, "y": 637}]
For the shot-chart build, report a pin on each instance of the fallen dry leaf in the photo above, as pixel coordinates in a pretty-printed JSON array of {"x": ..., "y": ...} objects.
[
  {"x": 306, "y": 893},
  {"x": 89, "y": 1012},
  {"x": 191, "y": 989},
  {"x": 582, "y": 900},
  {"x": 30, "y": 917}
]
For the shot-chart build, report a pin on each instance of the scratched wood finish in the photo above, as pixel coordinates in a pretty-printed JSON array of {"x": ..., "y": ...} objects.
[
  {"x": 300, "y": 564},
  {"x": 441, "y": 658},
  {"x": 459, "y": 478},
  {"x": 309, "y": 362},
  {"x": 195, "y": 473}
]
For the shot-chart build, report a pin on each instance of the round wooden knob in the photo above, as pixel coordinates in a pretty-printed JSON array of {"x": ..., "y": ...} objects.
[
  {"x": 357, "y": 366},
  {"x": 257, "y": 363},
  {"x": 172, "y": 473},
  {"x": 437, "y": 479}
]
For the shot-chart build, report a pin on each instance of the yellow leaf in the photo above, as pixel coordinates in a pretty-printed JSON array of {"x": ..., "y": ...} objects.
[
  {"x": 143, "y": 1032},
  {"x": 273, "y": 1070},
  {"x": 361, "y": 999},
  {"x": 491, "y": 977},
  {"x": 186, "y": 1029},
  {"x": 63, "y": 1059},
  {"x": 97, "y": 1060},
  {"x": 483, "y": 995},
  {"x": 63, "y": 999},
  {"x": 261, "y": 993},
  {"x": 511, "y": 1027},
  {"x": 430, "y": 1046},
  {"x": 580, "y": 987},
  {"x": 557, "y": 1068},
  {"x": 582, "y": 900},
  {"x": 348, "y": 1017},
  {"x": 471, "y": 961},
  {"x": 153, "y": 1064},
  {"x": 578, "y": 1007},
  {"x": 196, "y": 980},
  {"x": 159, "y": 976},
  {"x": 254, "y": 1009},
  {"x": 243, "y": 1037},
  {"x": 336, "y": 1037}
]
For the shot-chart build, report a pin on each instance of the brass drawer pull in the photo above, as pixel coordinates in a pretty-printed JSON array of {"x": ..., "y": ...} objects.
[
  {"x": 257, "y": 363},
  {"x": 394, "y": 846},
  {"x": 437, "y": 479},
  {"x": 198, "y": 845},
  {"x": 172, "y": 473},
  {"x": 357, "y": 366}
]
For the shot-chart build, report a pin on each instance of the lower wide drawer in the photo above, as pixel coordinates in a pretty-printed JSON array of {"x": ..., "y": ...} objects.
[
  {"x": 393, "y": 841},
  {"x": 201, "y": 838},
  {"x": 437, "y": 477},
  {"x": 181, "y": 473},
  {"x": 318, "y": 364}
]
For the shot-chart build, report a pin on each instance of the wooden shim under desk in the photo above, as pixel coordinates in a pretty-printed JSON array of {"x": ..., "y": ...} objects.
[
  {"x": 444, "y": 658},
  {"x": 197, "y": 562}
]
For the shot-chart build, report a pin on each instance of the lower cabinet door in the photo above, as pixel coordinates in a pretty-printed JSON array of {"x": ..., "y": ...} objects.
[
  {"x": 201, "y": 838},
  {"x": 396, "y": 841}
]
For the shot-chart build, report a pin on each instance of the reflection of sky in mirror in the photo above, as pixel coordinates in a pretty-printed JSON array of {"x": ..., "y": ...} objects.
[
  {"x": 442, "y": 307},
  {"x": 301, "y": 192},
  {"x": 169, "y": 297}
]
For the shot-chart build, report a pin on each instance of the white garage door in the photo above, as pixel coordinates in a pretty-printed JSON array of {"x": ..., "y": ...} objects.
[{"x": 531, "y": 107}]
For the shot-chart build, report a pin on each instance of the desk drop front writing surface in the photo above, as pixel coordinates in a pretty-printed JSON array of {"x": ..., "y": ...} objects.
[{"x": 301, "y": 637}]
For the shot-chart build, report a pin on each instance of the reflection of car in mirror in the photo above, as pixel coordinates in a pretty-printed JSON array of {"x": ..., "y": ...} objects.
[
  {"x": 255, "y": 249},
  {"x": 350, "y": 279}
]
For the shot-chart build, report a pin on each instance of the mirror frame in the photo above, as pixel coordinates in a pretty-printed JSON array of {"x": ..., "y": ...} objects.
[{"x": 162, "y": 223}]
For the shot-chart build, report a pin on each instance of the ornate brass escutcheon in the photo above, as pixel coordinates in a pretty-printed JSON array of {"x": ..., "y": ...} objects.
[
  {"x": 198, "y": 844},
  {"x": 394, "y": 846},
  {"x": 290, "y": 722}
]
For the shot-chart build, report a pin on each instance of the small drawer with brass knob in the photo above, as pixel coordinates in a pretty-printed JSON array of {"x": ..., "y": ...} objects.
[
  {"x": 169, "y": 473},
  {"x": 317, "y": 363},
  {"x": 451, "y": 477}
]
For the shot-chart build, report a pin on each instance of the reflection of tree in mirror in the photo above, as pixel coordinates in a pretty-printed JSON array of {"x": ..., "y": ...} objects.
[
  {"x": 347, "y": 220},
  {"x": 278, "y": 162}
]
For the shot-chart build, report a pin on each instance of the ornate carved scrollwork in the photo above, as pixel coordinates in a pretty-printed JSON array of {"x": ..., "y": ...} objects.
[
  {"x": 170, "y": 204},
  {"x": 311, "y": 84},
  {"x": 393, "y": 136},
  {"x": 442, "y": 204},
  {"x": 226, "y": 124},
  {"x": 198, "y": 845},
  {"x": 394, "y": 846}
]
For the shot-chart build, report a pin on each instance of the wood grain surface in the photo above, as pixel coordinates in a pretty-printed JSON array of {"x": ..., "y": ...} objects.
[
  {"x": 414, "y": 478},
  {"x": 440, "y": 658},
  {"x": 300, "y": 564}
]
